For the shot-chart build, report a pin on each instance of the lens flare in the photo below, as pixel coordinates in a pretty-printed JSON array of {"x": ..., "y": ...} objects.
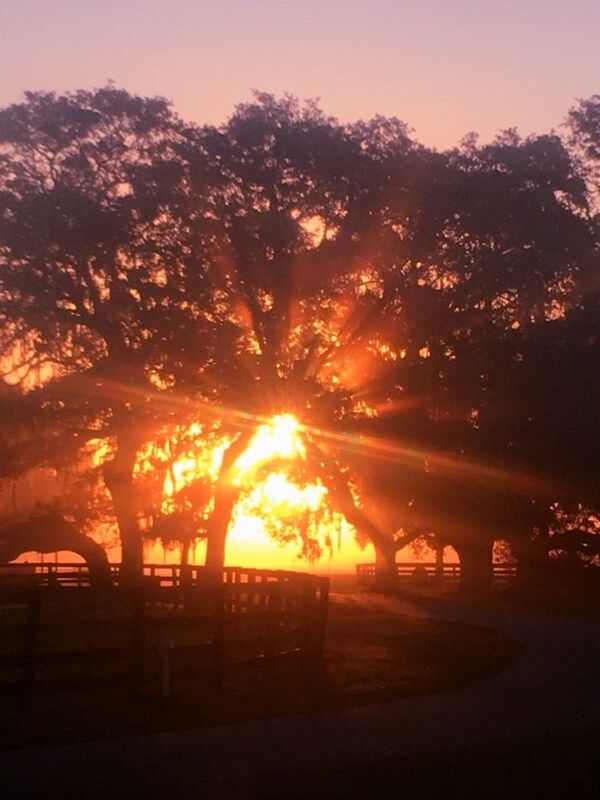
[{"x": 278, "y": 438}]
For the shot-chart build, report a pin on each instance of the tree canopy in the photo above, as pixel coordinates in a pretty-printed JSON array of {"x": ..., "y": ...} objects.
[{"x": 429, "y": 319}]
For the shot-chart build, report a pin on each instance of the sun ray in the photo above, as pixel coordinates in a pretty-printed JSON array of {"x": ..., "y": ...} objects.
[{"x": 278, "y": 438}]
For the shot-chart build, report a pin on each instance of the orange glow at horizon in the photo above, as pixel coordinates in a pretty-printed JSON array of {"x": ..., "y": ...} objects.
[
  {"x": 275, "y": 500},
  {"x": 275, "y": 516},
  {"x": 265, "y": 529}
]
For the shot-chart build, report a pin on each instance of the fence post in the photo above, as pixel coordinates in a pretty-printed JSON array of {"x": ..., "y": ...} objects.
[
  {"x": 30, "y": 633},
  {"x": 272, "y": 599},
  {"x": 218, "y": 636},
  {"x": 314, "y": 611},
  {"x": 306, "y": 639},
  {"x": 137, "y": 642},
  {"x": 165, "y": 668},
  {"x": 322, "y": 618}
]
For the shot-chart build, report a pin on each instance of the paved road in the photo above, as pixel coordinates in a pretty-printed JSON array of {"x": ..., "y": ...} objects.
[{"x": 555, "y": 683}]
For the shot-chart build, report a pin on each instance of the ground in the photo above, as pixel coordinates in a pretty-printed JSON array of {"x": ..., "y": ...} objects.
[
  {"x": 529, "y": 730},
  {"x": 372, "y": 654}
]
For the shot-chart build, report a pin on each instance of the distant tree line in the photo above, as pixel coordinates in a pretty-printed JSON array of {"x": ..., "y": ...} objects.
[{"x": 432, "y": 318}]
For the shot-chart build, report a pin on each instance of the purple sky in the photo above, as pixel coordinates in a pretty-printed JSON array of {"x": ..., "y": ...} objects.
[{"x": 444, "y": 66}]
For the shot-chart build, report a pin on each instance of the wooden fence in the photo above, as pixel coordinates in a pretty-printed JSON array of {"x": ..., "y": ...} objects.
[
  {"x": 174, "y": 624},
  {"x": 420, "y": 572},
  {"x": 66, "y": 573}
]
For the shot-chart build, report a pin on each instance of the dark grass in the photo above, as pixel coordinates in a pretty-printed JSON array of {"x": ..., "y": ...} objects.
[
  {"x": 371, "y": 656},
  {"x": 578, "y": 599}
]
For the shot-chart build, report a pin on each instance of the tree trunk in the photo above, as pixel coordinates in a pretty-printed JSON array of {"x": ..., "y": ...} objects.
[
  {"x": 218, "y": 527},
  {"x": 185, "y": 552},
  {"x": 531, "y": 554},
  {"x": 185, "y": 571},
  {"x": 530, "y": 561},
  {"x": 439, "y": 563},
  {"x": 118, "y": 477},
  {"x": 336, "y": 483},
  {"x": 385, "y": 567},
  {"x": 226, "y": 496},
  {"x": 476, "y": 565}
]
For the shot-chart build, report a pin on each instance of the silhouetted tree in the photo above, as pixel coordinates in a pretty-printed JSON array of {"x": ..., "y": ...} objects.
[
  {"x": 430, "y": 318},
  {"x": 583, "y": 122},
  {"x": 94, "y": 294},
  {"x": 299, "y": 225}
]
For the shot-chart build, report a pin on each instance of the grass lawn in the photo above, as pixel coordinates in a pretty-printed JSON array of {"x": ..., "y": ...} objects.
[{"x": 371, "y": 655}]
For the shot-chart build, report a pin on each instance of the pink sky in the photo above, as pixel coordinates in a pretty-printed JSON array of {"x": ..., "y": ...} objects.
[{"x": 444, "y": 66}]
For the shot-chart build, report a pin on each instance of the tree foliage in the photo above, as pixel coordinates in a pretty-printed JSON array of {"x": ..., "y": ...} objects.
[{"x": 430, "y": 318}]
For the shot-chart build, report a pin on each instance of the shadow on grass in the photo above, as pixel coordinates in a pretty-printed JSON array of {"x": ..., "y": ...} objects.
[{"x": 371, "y": 656}]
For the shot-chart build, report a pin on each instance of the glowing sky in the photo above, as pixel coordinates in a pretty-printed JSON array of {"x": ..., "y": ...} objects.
[{"x": 444, "y": 66}]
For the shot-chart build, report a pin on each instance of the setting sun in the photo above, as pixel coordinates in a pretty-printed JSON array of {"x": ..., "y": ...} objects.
[
  {"x": 276, "y": 518},
  {"x": 278, "y": 438},
  {"x": 282, "y": 515}
]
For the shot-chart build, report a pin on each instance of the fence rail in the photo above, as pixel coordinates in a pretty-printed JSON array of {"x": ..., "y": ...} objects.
[
  {"x": 423, "y": 572},
  {"x": 76, "y": 573}
]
